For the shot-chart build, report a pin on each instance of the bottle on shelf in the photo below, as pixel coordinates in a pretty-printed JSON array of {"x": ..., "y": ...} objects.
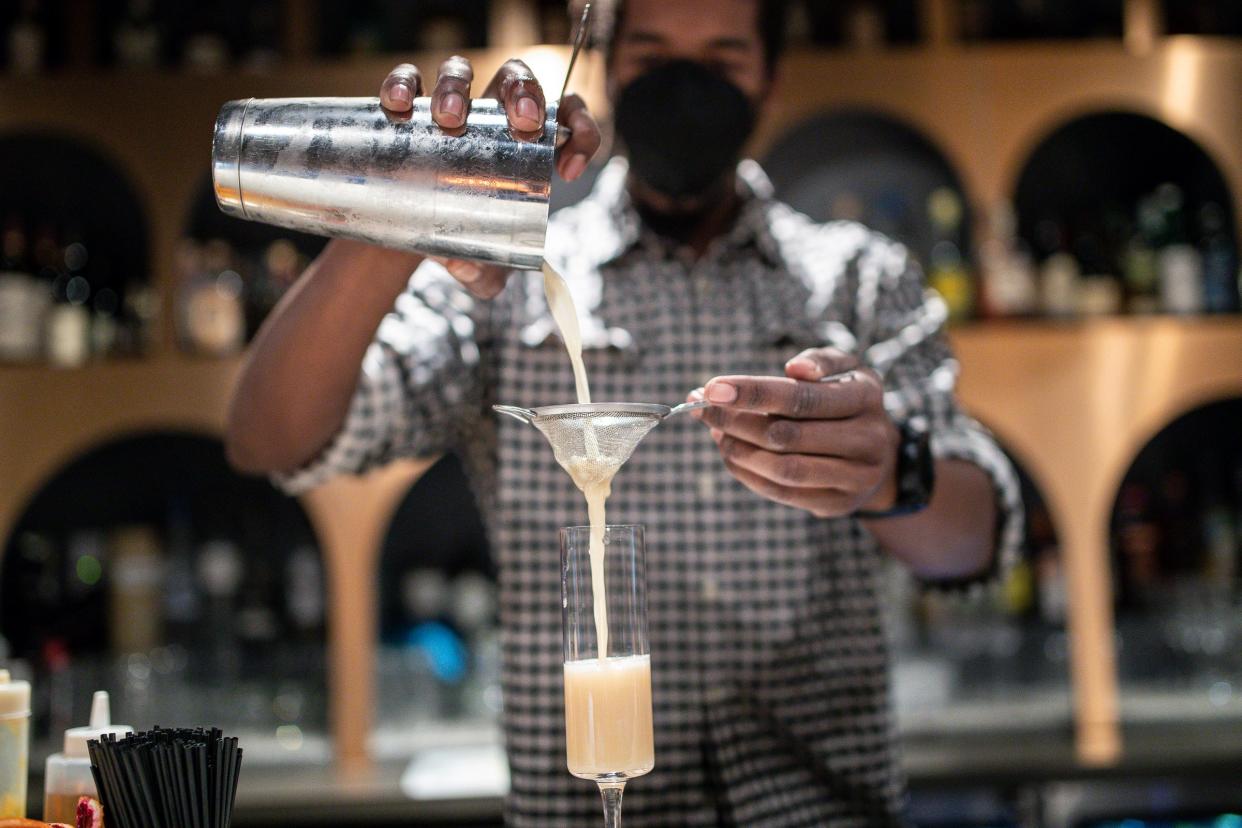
[
  {"x": 948, "y": 273},
  {"x": 135, "y": 580},
  {"x": 1139, "y": 264},
  {"x": 183, "y": 609},
  {"x": 24, "y": 300},
  {"x": 69, "y": 320},
  {"x": 1179, "y": 263},
  {"x": 137, "y": 41},
  {"x": 864, "y": 25},
  {"x": 1060, "y": 275},
  {"x": 110, "y": 334},
  {"x": 27, "y": 40},
  {"x": 1099, "y": 291},
  {"x": 67, "y": 775},
  {"x": 304, "y": 599},
  {"x": 262, "y": 35},
  {"x": 1008, "y": 272},
  {"x": 1220, "y": 261},
  {"x": 220, "y": 575},
  {"x": 210, "y": 316}
]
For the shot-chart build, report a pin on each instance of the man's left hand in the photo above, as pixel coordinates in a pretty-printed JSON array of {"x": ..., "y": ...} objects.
[{"x": 829, "y": 448}]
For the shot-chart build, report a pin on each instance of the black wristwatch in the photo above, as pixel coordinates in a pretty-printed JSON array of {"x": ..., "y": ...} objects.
[{"x": 916, "y": 472}]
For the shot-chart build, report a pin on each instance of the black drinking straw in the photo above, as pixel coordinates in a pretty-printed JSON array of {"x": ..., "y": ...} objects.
[
  {"x": 234, "y": 772},
  {"x": 217, "y": 780},
  {"x": 164, "y": 773}
]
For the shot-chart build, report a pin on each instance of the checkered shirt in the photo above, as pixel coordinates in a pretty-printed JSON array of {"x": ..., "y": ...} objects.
[{"x": 769, "y": 660}]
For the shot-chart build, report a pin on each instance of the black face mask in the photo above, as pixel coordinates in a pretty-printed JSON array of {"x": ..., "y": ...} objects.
[{"x": 683, "y": 126}]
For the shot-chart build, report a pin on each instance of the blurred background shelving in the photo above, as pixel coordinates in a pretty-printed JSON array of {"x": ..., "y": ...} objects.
[{"x": 1069, "y": 175}]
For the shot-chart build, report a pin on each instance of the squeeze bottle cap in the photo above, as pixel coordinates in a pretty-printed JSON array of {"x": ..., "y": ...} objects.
[
  {"x": 101, "y": 724},
  {"x": 14, "y": 697}
]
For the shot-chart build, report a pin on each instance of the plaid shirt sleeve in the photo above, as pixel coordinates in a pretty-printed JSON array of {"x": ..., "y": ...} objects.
[
  {"x": 901, "y": 334},
  {"x": 418, "y": 387}
]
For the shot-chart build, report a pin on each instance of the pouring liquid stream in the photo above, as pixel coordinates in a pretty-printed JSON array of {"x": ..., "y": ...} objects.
[{"x": 591, "y": 473}]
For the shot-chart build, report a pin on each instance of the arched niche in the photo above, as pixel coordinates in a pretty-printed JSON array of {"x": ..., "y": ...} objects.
[
  {"x": 53, "y": 184},
  {"x": 147, "y": 567},
  {"x": 1175, "y": 544},
  {"x": 869, "y": 166},
  {"x": 438, "y": 653},
  {"x": 989, "y": 655},
  {"x": 1099, "y": 181}
]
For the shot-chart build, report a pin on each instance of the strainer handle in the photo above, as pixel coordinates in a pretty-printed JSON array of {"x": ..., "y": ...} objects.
[
  {"x": 687, "y": 406},
  {"x": 524, "y": 414}
]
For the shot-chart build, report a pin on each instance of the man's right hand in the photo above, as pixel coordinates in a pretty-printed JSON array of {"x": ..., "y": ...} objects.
[{"x": 522, "y": 96}]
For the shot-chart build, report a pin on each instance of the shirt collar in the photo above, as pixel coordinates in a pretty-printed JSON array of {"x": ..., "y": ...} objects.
[{"x": 625, "y": 228}]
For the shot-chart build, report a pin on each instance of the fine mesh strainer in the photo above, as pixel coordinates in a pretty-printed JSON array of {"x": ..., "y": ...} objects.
[{"x": 593, "y": 441}]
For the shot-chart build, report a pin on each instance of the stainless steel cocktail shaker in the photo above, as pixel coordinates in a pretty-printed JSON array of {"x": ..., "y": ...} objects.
[{"x": 347, "y": 167}]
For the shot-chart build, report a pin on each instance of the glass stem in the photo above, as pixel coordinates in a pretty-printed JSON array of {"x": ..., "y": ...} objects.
[{"x": 611, "y": 792}]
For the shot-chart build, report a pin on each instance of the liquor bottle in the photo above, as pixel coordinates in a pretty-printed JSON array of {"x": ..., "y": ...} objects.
[
  {"x": 135, "y": 579},
  {"x": 109, "y": 334},
  {"x": 1179, "y": 264},
  {"x": 68, "y": 323},
  {"x": 1099, "y": 292},
  {"x": 1009, "y": 285},
  {"x": 1138, "y": 539},
  {"x": 27, "y": 40},
  {"x": 211, "y": 319},
  {"x": 1142, "y": 275},
  {"x": 24, "y": 300},
  {"x": 1220, "y": 262},
  {"x": 948, "y": 274},
  {"x": 220, "y": 575},
  {"x": 864, "y": 25},
  {"x": 182, "y": 603},
  {"x": 304, "y": 590},
  {"x": 205, "y": 50},
  {"x": 1059, "y": 280},
  {"x": 262, "y": 35},
  {"x": 136, "y": 41}
]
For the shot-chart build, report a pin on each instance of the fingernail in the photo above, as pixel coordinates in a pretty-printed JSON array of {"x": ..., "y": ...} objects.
[
  {"x": 577, "y": 163},
  {"x": 453, "y": 103},
  {"x": 400, "y": 93},
  {"x": 717, "y": 434},
  {"x": 721, "y": 392},
  {"x": 696, "y": 395},
  {"x": 468, "y": 272},
  {"x": 527, "y": 108},
  {"x": 809, "y": 366}
]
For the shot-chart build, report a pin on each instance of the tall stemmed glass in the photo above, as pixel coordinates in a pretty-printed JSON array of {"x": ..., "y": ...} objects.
[{"x": 608, "y": 726}]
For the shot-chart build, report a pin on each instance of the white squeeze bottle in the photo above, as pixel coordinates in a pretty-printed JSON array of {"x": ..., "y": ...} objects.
[
  {"x": 69, "y": 774},
  {"x": 14, "y": 744}
]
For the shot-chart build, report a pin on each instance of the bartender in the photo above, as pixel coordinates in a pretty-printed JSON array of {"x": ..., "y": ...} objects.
[{"x": 768, "y": 523}]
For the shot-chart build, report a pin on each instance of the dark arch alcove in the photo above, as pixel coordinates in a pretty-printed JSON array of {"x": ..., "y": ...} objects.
[
  {"x": 1176, "y": 541},
  {"x": 870, "y": 166},
  {"x": 147, "y": 567},
  {"x": 1084, "y": 183},
  {"x": 438, "y": 659},
  {"x": 55, "y": 183},
  {"x": 972, "y": 658}
]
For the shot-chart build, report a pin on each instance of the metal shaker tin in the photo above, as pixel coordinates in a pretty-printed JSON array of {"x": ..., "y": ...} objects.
[{"x": 347, "y": 167}]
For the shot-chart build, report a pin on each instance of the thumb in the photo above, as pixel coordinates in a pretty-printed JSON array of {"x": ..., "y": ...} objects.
[{"x": 816, "y": 363}]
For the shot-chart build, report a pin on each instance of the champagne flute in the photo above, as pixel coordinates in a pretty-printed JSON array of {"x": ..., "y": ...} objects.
[{"x": 608, "y": 728}]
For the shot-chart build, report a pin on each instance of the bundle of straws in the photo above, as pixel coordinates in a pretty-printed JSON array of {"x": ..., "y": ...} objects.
[{"x": 167, "y": 778}]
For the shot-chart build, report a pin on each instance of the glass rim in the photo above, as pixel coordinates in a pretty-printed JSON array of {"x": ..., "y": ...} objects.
[{"x": 587, "y": 527}]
